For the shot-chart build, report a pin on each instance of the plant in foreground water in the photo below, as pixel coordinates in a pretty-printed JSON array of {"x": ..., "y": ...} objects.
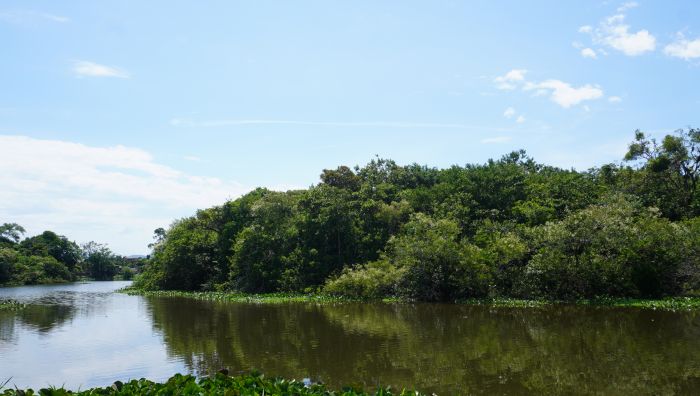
[{"x": 219, "y": 384}]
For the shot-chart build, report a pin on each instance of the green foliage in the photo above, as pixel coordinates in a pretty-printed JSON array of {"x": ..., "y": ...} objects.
[
  {"x": 373, "y": 280},
  {"x": 59, "y": 247},
  {"x": 10, "y": 233},
  {"x": 51, "y": 258},
  {"x": 615, "y": 248},
  {"x": 10, "y": 305},
  {"x": 99, "y": 261},
  {"x": 437, "y": 264},
  {"x": 219, "y": 384},
  {"x": 669, "y": 172},
  {"x": 507, "y": 228}
]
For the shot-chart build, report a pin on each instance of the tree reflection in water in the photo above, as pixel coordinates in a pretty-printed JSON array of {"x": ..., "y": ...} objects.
[{"x": 440, "y": 347}]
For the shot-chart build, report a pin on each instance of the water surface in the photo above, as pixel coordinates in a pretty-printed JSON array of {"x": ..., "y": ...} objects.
[{"x": 84, "y": 335}]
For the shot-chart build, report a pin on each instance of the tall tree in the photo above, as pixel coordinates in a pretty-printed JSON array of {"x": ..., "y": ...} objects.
[
  {"x": 11, "y": 232},
  {"x": 671, "y": 170}
]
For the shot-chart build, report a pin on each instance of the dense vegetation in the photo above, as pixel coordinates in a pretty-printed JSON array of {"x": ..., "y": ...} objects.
[
  {"x": 507, "y": 228},
  {"x": 52, "y": 258},
  {"x": 220, "y": 384}
]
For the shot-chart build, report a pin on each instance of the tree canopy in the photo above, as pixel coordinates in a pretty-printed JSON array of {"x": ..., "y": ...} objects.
[
  {"x": 510, "y": 227},
  {"x": 52, "y": 258}
]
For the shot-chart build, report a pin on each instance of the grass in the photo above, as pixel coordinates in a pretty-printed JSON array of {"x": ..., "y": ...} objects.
[
  {"x": 11, "y": 305},
  {"x": 667, "y": 304},
  {"x": 219, "y": 384}
]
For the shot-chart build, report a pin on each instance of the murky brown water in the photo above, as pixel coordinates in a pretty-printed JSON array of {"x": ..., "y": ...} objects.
[{"x": 85, "y": 335}]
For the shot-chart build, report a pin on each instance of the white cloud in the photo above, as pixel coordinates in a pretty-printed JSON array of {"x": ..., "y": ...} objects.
[
  {"x": 684, "y": 48},
  {"x": 589, "y": 53},
  {"x": 520, "y": 119},
  {"x": 614, "y": 99},
  {"x": 613, "y": 32},
  {"x": 511, "y": 79},
  {"x": 558, "y": 91},
  {"x": 192, "y": 158},
  {"x": 618, "y": 37},
  {"x": 509, "y": 113},
  {"x": 91, "y": 69},
  {"x": 116, "y": 195},
  {"x": 563, "y": 93},
  {"x": 496, "y": 140}
]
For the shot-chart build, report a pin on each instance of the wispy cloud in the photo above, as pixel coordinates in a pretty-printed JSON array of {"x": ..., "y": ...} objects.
[
  {"x": 628, "y": 5},
  {"x": 92, "y": 69},
  {"x": 28, "y": 17},
  {"x": 683, "y": 48},
  {"x": 614, "y": 99},
  {"x": 56, "y": 18},
  {"x": 510, "y": 113},
  {"x": 190, "y": 123}
]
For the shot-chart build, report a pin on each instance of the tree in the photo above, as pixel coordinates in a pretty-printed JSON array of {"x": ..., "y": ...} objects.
[
  {"x": 99, "y": 261},
  {"x": 264, "y": 257},
  {"x": 158, "y": 237},
  {"x": 438, "y": 265},
  {"x": 341, "y": 177},
  {"x": 8, "y": 258},
  {"x": 11, "y": 233},
  {"x": 614, "y": 248},
  {"x": 671, "y": 169},
  {"x": 58, "y": 246}
]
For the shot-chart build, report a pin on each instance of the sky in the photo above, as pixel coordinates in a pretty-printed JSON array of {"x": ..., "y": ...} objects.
[{"x": 118, "y": 117}]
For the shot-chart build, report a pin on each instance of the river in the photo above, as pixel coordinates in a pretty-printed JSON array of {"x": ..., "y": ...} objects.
[{"x": 84, "y": 334}]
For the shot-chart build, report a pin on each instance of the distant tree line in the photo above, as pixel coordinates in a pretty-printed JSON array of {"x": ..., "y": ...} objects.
[
  {"x": 52, "y": 258},
  {"x": 510, "y": 227}
]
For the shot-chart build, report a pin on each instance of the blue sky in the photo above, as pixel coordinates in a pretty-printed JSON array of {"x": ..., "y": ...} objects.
[{"x": 117, "y": 117}]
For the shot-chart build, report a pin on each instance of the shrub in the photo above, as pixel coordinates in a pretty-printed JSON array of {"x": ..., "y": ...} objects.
[{"x": 373, "y": 280}]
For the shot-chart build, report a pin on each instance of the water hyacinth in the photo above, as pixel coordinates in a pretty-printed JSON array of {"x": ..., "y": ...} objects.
[
  {"x": 11, "y": 305},
  {"x": 267, "y": 298},
  {"x": 665, "y": 304},
  {"x": 220, "y": 384}
]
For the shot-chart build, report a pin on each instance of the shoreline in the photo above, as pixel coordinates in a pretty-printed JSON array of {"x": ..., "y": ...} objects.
[{"x": 666, "y": 304}]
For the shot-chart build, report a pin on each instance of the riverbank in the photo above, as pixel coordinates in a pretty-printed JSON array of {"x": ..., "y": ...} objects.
[
  {"x": 221, "y": 383},
  {"x": 668, "y": 304}
]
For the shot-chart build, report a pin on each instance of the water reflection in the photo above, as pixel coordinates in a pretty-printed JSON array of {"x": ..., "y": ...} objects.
[
  {"x": 79, "y": 335},
  {"x": 85, "y": 335},
  {"x": 442, "y": 348}
]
